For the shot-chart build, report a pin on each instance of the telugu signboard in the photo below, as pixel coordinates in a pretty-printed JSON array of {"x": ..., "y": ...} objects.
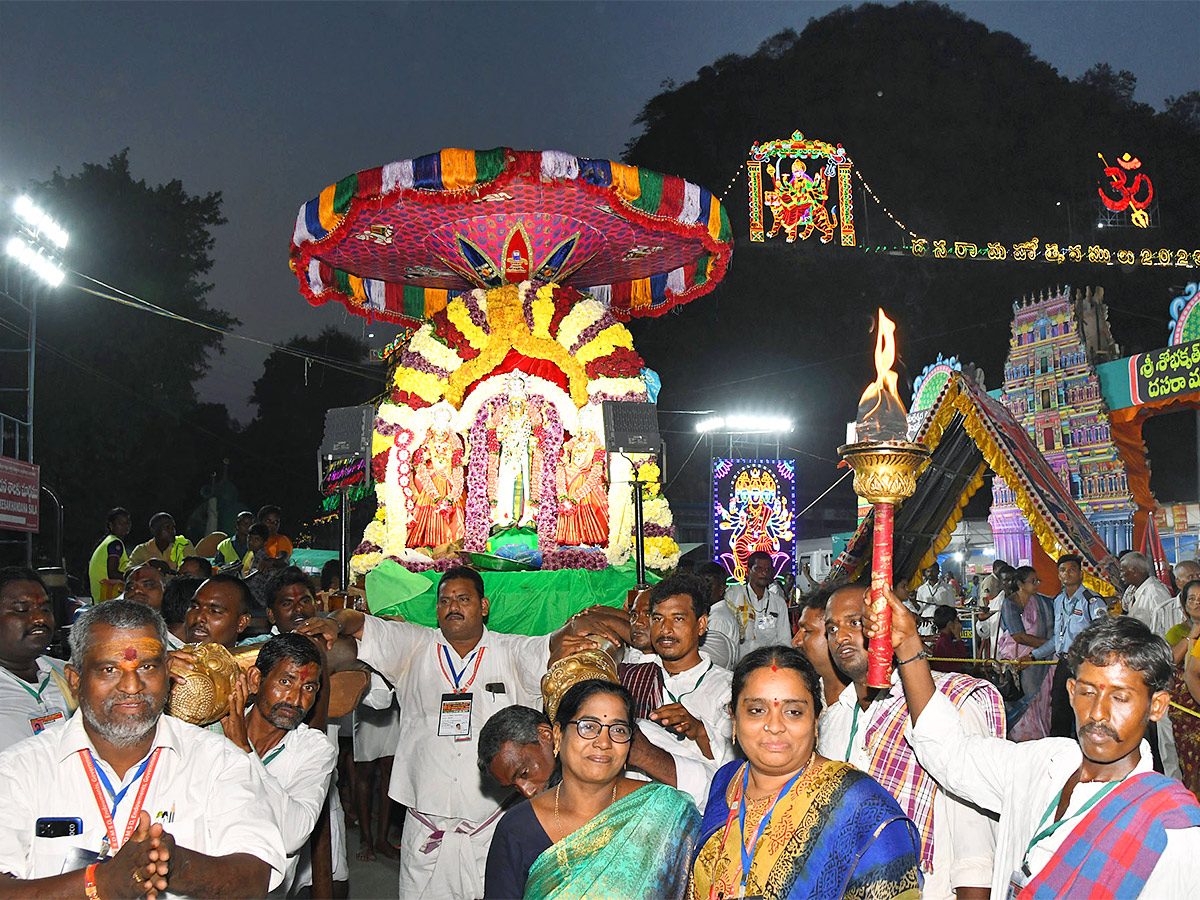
[
  {"x": 20, "y": 485},
  {"x": 1168, "y": 372}
]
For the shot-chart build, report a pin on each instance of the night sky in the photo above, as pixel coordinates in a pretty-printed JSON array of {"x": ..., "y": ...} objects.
[{"x": 268, "y": 103}]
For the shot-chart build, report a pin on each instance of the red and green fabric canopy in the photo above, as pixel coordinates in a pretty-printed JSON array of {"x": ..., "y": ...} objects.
[{"x": 395, "y": 243}]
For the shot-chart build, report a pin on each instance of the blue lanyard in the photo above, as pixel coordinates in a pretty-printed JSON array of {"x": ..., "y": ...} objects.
[
  {"x": 457, "y": 676},
  {"x": 117, "y": 797},
  {"x": 748, "y": 855}
]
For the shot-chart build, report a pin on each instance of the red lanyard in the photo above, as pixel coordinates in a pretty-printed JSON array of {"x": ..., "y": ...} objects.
[
  {"x": 94, "y": 779},
  {"x": 454, "y": 682}
]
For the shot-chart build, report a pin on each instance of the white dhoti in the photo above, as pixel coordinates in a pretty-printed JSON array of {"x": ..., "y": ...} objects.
[{"x": 444, "y": 857}]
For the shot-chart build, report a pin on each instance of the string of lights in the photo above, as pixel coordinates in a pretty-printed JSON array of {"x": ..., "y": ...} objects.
[
  {"x": 857, "y": 174},
  {"x": 732, "y": 180}
]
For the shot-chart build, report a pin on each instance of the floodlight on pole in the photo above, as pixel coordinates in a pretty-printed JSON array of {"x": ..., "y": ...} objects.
[
  {"x": 42, "y": 266},
  {"x": 40, "y": 222},
  {"x": 746, "y": 424}
]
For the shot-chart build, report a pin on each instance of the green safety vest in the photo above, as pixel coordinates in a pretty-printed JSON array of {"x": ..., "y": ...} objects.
[{"x": 98, "y": 567}]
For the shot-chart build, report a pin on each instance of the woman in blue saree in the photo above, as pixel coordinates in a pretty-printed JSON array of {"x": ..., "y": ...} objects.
[
  {"x": 787, "y": 823},
  {"x": 595, "y": 834}
]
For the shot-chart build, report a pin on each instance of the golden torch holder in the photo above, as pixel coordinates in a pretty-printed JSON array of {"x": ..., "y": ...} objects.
[{"x": 885, "y": 473}]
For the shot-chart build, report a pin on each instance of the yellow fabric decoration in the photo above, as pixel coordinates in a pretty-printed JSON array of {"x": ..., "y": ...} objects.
[
  {"x": 435, "y": 300},
  {"x": 325, "y": 214},
  {"x": 626, "y": 183},
  {"x": 458, "y": 169},
  {"x": 956, "y": 400}
]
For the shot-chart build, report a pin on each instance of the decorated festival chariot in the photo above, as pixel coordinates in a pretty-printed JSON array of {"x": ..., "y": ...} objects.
[{"x": 512, "y": 274}]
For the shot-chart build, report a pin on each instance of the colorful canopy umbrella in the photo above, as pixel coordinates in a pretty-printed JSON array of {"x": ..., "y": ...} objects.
[{"x": 397, "y": 242}]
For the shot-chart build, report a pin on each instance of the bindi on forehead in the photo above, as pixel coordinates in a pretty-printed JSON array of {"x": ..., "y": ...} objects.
[{"x": 129, "y": 653}]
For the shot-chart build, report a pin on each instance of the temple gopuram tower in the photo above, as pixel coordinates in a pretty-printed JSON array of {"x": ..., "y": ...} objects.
[{"x": 1051, "y": 387}]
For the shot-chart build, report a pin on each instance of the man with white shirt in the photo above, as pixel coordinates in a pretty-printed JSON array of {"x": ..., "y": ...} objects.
[
  {"x": 1146, "y": 598},
  {"x": 865, "y": 728},
  {"x": 33, "y": 687},
  {"x": 1078, "y": 818},
  {"x": 290, "y": 598},
  {"x": 123, "y": 801},
  {"x": 449, "y": 682},
  {"x": 299, "y": 761},
  {"x": 291, "y": 601},
  {"x": 750, "y": 616},
  {"x": 933, "y": 592},
  {"x": 989, "y": 601},
  {"x": 693, "y": 727}
]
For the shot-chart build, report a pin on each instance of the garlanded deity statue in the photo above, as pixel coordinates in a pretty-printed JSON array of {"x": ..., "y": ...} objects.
[
  {"x": 514, "y": 460},
  {"x": 582, "y": 496},
  {"x": 437, "y": 466}
]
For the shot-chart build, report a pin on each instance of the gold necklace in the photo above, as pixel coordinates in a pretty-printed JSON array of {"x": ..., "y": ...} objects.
[{"x": 558, "y": 825}]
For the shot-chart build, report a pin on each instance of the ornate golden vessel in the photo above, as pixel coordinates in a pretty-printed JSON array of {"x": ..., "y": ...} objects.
[{"x": 570, "y": 670}]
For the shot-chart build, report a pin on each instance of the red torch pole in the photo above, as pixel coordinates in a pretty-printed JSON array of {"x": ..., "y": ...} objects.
[{"x": 879, "y": 651}]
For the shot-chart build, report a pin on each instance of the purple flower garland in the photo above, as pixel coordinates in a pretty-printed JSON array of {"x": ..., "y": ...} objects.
[{"x": 410, "y": 359}]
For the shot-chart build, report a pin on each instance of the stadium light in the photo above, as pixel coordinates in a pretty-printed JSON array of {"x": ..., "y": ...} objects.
[
  {"x": 40, "y": 222},
  {"x": 746, "y": 424},
  {"x": 40, "y": 265}
]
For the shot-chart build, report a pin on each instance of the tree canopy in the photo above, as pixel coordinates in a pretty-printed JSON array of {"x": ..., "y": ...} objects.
[
  {"x": 117, "y": 420},
  {"x": 965, "y": 135}
]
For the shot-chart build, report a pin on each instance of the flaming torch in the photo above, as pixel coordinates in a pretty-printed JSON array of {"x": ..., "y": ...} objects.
[{"x": 885, "y": 468}]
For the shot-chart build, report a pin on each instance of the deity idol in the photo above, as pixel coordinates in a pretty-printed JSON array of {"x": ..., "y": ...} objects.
[
  {"x": 582, "y": 499},
  {"x": 438, "y": 472},
  {"x": 513, "y": 458}
]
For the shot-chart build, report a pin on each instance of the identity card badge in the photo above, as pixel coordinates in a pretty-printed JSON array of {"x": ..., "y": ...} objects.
[
  {"x": 40, "y": 723},
  {"x": 455, "y": 720}
]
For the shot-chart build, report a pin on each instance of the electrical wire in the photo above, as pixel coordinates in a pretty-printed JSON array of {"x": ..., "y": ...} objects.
[
  {"x": 679, "y": 471},
  {"x": 845, "y": 475},
  {"x": 134, "y": 302}
]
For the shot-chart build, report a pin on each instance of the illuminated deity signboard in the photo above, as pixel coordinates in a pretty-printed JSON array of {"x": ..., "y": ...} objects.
[
  {"x": 754, "y": 508},
  {"x": 802, "y": 174}
]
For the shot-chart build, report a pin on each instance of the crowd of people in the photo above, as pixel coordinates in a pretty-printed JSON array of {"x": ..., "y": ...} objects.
[{"x": 733, "y": 748}]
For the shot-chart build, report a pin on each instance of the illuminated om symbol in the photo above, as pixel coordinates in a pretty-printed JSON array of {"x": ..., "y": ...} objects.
[{"x": 1127, "y": 194}]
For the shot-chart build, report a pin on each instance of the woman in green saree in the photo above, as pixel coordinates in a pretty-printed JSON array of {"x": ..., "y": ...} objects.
[{"x": 596, "y": 833}]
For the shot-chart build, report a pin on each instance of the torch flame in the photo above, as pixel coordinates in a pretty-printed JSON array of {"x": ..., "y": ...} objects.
[{"x": 880, "y": 410}]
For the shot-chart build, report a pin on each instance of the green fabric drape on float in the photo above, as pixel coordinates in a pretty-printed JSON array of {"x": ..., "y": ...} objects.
[{"x": 519, "y": 602}]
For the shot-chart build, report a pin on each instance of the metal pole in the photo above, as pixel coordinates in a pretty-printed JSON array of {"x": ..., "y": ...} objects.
[
  {"x": 32, "y": 370},
  {"x": 639, "y": 539},
  {"x": 344, "y": 515},
  {"x": 29, "y": 404}
]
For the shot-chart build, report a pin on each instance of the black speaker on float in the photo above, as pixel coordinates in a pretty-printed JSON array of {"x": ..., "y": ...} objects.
[
  {"x": 631, "y": 427},
  {"x": 347, "y": 432}
]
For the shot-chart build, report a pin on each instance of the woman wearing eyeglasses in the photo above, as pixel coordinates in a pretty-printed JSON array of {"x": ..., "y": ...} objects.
[
  {"x": 787, "y": 823},
  {"x": 595, "y": 832}
]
